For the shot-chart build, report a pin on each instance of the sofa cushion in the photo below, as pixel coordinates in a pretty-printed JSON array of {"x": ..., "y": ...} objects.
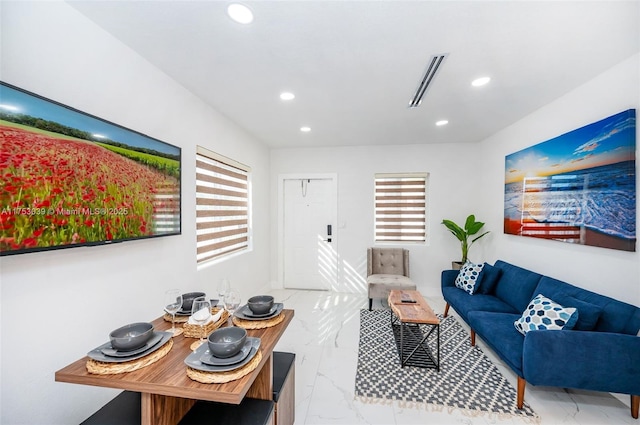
[
  {"x": 463, "y": 303},
  {"x": 496, "y": 329},
  {"x": 589, "y": 304},
  {"x": 469, "y": 277},
  {"x": 588, "y": 314},
  {"x": 618, "y": 316},
  {"x": 546, "y": 314},
  {"x": 488, "y": 278},
  {"x": 516, "y": 285}
]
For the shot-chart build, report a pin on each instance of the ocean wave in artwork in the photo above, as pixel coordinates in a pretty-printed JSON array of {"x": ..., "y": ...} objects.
[{"x": 602, "y": 199}]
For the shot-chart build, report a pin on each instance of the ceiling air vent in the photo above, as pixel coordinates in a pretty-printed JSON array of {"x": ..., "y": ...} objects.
[{"x": 427, "y": 79}]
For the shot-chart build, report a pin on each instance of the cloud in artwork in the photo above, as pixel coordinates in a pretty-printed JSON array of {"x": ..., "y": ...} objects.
[
  {"x": 608, "y": 131},
  {"x": 590, "y": 146}
]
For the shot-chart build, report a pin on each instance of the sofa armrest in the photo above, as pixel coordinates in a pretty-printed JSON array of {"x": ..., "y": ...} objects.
[
  {"x": 599, "y": 361},
  {"x": 448, "y": 277}
]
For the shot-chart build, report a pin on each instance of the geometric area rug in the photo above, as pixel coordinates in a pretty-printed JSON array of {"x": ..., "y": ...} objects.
[{"x": 467, "y": 382}]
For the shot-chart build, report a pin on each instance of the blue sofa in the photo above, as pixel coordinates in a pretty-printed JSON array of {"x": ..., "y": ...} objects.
[{"x": 601, "y": 352}]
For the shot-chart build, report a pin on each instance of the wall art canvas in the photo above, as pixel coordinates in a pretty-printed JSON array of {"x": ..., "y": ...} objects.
[
  {"x": 579, "y": 187},
  {"x": 71, "y": 179}
]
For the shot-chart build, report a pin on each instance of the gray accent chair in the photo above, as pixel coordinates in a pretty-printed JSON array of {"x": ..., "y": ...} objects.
[{"x": 387, "y": 269}]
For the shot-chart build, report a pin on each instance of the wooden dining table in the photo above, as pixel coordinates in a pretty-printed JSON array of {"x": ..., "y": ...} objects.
[{"x": 168, "y": 393}]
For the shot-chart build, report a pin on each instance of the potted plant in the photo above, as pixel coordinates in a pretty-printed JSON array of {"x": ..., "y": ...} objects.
[{"x": 471, "y": 228}]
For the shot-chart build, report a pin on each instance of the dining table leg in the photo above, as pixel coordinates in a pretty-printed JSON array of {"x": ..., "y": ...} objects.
[
  {"x": 163, "y": 410},
  {"x": 262, "y": 387}
]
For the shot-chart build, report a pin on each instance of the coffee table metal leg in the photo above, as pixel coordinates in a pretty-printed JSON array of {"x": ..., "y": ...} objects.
[
  {"x": 422, "y": 345},
  {"x": 438, "y": 341},
  {"x": 422, "y": 342},
  {"x": 402, "y": 345}
]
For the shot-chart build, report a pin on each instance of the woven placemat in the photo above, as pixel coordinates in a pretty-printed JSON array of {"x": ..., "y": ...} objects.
[
  {"x": 258, "y": 324},
  {"x": 197, "y": 331},
  {"x": 104, "y": 368},
  {"x": 223, "y": 377}
]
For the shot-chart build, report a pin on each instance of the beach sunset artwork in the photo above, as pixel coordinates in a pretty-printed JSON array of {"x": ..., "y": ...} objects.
[{"x": 579, "y": 187}]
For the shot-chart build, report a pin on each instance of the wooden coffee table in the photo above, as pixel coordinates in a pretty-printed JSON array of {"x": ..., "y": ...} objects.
[{"x": 413, "y": 322}]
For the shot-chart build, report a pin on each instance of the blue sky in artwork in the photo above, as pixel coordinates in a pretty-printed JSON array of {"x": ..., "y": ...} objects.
[
  {"x": 17, "y": 101},
  {"x": 608, "y": 141}
]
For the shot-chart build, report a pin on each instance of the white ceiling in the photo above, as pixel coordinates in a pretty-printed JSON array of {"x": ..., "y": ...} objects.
[{"x": 354, "y": 65}]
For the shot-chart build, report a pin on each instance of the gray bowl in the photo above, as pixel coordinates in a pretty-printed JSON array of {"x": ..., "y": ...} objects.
[
  {"x": 131, "y": 336},
  {"x": 260, "y": 304},
  {"x": 226, "y": 342},
  {"x": 187, "y": 300}
]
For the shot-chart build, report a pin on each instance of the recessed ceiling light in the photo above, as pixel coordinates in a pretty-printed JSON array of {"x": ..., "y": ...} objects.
[
  {"x": 480, "y": 81},
  {"x": 305, "y": 129},
  {"x": 287, "y": 96},
  {"x": 240, "y": 13},
  {"x": 441, "y": 123}
]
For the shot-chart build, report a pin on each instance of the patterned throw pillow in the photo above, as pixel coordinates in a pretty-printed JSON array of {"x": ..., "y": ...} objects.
[
  {"x": 468, "y": 277},
  {"x": 545, "y": 314}
]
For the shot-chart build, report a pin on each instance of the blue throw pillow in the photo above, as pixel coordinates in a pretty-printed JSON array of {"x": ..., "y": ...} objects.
[
  {"x": 545, "y": 314},
  {"x": 468, "y": 277},
  {"x": 588, "y": 314},
  {"x": 489, "y": 276}
]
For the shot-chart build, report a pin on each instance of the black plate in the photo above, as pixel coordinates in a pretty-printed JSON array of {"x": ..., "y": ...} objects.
[
  {"x": 97, "y": 354},
  {"x": 113, "y": 352},
  {"x": 210, "y": 359},
  {"x": 246, "y": 314},
  {"x": 193, "y": 359},
  {"x": 246, "y": 310}
]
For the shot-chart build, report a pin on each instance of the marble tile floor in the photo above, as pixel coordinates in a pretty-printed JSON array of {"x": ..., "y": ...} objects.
[{"x": 324, "y": 336}]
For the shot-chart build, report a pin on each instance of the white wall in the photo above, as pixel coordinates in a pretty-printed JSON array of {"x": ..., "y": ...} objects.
[
  {"x": 605, "y": 271},
  {"x": 56, "y": 306},
  {"x": 452, "y": 174}
]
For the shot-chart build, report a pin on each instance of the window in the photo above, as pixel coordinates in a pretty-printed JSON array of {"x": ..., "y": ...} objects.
[
  {"x": 400, "y": 207},
  {"x": 222, "y": 205}
]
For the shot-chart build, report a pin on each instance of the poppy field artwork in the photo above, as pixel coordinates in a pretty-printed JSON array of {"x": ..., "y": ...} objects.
[{"x": 71, "y": 179}]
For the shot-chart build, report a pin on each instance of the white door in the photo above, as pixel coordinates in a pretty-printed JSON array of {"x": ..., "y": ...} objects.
[{"x": 310, "y": 261}]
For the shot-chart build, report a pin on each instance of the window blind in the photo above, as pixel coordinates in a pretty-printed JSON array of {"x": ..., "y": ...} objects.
[
  {"x": 222, "y": 205},
  {"x": 400, "y": 207}
]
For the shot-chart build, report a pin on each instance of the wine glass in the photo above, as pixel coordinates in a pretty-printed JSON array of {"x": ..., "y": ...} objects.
[
  {"x": 172, "y": 304},
  {"x": 200, "y": 313},
  {"x": 231, "y": 303},
  {"x": 223, "y": 287}
]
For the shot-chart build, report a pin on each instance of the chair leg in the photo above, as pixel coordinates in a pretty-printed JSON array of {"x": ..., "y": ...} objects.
[
  {"x": 521, "y": 384},
  {"x": 370, "y": 303},
  {"x": 446, "y": 310},
  {"x": 473, "y": 338},
  {"x": 635, "y": 405}
]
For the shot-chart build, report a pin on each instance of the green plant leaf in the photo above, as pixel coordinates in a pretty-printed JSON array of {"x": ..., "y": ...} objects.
[
  {"x": 471, "y": 227},
  {"x": 470, "y": 221},
  {"x": 475, "y": 239},
  {"x": 457, "y": 231}
]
